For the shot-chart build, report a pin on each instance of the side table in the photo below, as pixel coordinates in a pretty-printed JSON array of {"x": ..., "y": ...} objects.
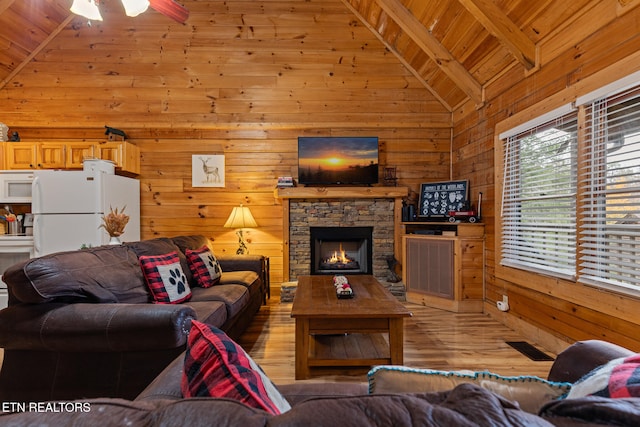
[{"x": 266, "y": 280}]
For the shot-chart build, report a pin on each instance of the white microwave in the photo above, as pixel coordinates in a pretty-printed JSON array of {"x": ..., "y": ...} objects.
[{"x": 15, "y": 186}]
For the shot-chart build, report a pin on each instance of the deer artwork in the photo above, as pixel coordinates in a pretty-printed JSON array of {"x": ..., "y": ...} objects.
[{"x": 210, "y": 172}]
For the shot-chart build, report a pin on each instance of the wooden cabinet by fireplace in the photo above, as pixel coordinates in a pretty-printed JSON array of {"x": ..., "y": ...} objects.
[{"x": 444, "y": 265}]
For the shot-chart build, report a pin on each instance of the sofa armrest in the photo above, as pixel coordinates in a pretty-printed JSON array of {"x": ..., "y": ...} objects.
[
  {"x": 95, "y": 327},
  {"x": 582, "y": 357},
  {"x": 241, "y": 263}
]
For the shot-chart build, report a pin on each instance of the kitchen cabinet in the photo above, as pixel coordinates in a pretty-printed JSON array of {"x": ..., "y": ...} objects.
[
  {"x": 69, "y": 155},
  {"x": 76, "y": 152},
  {"x": 50, "y": 155},
  {"x": 124, "y": 154},
  {"x": 34, "y": 155},
  {"x": 20, "y": 155},
  {"x": 444, "y": 265}
]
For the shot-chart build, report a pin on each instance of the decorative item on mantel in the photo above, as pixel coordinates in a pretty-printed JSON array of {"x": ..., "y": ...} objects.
[
  {"x": 114, "y": 223},
  {"x": 390, "y": 176},
  {"x": 240, "y": 218},
  {"x": 285, "y": 182}
]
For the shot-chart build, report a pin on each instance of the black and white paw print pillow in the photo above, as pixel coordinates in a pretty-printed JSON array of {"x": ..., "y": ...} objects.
[
  {"x": 165, "y": 278},
  {"x": 204, "y": 266}
]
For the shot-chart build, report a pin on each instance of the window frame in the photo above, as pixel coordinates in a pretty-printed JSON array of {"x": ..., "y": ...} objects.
[
  {"x": 535, "y": 115},
  {"x": 600, "y": 195},
  {"x": 545, "y": 250}
]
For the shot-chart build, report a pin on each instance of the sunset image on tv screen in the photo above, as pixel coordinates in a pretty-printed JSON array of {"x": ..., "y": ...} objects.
[{"x": 338, "y": 159}]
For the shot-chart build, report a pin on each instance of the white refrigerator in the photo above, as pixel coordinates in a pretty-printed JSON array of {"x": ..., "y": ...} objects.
[{"x": 68, "y": 207}]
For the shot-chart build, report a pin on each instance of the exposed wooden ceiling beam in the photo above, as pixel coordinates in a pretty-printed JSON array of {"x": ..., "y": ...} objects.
[
  {"x": 432, "y": 47},
  {"x": 37, "y": 50},
  {"x": 398, "y": 55},
  {"x": 5, "y": 4},
  {"x": 499, "y": 24},
  {"x": 625, "y": 6}
]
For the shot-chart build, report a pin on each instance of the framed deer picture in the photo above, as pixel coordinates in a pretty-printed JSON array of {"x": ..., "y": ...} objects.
[{"x": 207, "y": 170}]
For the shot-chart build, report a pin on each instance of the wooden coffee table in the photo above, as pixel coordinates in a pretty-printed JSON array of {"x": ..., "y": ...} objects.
[{"x": 366, "y": 330}]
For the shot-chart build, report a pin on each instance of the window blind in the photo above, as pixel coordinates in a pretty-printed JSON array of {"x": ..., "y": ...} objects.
[
  {"x": 539, "y": 198},
  {"x": 610, "y": 210}
]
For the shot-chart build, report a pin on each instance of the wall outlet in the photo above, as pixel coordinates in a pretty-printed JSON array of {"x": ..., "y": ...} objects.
[{"x": 504, "y": 304}]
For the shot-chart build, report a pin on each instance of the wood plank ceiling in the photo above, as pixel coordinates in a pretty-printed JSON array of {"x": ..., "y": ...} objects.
[{"x": 454, "y": 47}]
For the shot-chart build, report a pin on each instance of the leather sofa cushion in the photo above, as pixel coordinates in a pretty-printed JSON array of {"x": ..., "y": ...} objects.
[
  {"x": 235, "y": 297},
  {"x": 191, "y": 242},
  {"x": 211, "y": 312},
  {"x": 161, "y": 246},
  {"x": 107, "y": 274},
  {"x": 246, "y": 278}
]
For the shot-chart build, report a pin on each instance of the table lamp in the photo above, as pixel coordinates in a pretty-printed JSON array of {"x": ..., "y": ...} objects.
[{"x": 241, "y": 218}]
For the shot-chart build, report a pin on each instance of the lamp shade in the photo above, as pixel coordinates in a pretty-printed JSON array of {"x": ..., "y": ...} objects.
[
  {"x": 135, "y": 7},
  {"x": 241, "y": 218},
  {"x": 87, "y": 8}
]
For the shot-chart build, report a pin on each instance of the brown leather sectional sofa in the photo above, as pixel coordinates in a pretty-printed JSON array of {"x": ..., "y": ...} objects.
[{"x": 82, "y": 324}]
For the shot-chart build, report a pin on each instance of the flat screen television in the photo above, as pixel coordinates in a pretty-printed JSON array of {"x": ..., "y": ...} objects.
[{"x": 338, "y": 160}]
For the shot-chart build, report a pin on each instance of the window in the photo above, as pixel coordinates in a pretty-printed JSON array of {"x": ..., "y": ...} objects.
[
  {"x": 610, "y": 217},
  {"x": 571, "y": 200},
  {"x": 539, "y": 197}
]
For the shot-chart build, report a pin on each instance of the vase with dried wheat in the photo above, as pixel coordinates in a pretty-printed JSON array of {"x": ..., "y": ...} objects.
[{"x": 114, "y": 223}]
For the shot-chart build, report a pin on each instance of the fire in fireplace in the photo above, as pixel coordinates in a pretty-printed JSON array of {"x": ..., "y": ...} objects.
[
  {"x": 339, "y": 260},
  {"x": 341, "y": 250}
]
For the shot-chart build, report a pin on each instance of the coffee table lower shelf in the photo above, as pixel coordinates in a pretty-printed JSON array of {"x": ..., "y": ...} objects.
[
  {"x": 361, "y": 342},
  {"x": 348, "y": 350}
]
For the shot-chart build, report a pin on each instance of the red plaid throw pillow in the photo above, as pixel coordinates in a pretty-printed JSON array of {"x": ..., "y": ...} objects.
[
  {"x": 215, "y": 366},
  {"x": 165, "y": 278},
  {"x": 617, "y": 378},
  {"x": 204, "y": 266}
]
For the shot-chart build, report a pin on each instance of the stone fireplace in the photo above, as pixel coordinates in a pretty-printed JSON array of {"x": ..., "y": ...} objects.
[
  {"x": 336, "y": 214},
  {"x": 339, "y": 208}
]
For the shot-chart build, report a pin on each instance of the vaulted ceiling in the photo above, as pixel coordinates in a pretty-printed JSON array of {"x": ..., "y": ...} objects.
[{"x": 454, "y": 47}]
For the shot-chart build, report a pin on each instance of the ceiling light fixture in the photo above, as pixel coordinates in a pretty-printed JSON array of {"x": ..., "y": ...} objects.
[
  {"x": 89, "y": 8},
  {"x": 135, "y": 7}
]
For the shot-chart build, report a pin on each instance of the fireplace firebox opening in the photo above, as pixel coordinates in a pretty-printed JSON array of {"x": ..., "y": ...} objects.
[{"x": 341, "y": 250}]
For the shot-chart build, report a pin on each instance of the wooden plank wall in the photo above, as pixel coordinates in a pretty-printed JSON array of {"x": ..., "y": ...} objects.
[
  {"x": 243, "y": 79},
  {"x": 549, "y": 310}
]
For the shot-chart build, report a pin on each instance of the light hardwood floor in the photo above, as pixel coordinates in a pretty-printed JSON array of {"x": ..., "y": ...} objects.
[{"x": 433, "y": 338}]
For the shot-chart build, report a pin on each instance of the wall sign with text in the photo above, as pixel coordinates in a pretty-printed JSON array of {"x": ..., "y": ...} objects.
[{"x": 437, "y": 199}]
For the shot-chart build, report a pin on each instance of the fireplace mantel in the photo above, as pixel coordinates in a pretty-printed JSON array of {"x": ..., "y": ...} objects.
[
  {"x": 291, "y": 195},
  {"x": 339, "y": 192}
]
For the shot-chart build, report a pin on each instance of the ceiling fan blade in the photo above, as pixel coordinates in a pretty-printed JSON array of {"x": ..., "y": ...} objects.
[{"x": 171, "y": 9}]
